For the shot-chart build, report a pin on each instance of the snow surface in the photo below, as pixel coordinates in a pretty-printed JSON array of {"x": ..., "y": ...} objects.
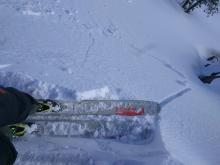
[{"x": 127, "y": 49}]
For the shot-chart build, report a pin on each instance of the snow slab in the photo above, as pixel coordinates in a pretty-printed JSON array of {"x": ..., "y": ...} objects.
[{"x": 127, "y": 49}]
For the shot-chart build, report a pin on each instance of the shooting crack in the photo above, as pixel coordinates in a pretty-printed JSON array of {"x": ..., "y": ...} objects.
[
  {"x": 174, "y": 96},
  {"x": 87, "y": 53}
]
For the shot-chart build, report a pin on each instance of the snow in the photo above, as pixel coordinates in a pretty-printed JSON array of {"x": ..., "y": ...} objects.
[
  {"x": 4, "y": 66},
  {"x": 101, "y": 93},
  {"x": 127, "y": 49}
]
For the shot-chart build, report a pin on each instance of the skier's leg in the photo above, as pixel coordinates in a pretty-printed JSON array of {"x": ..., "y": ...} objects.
[
  {"x": 6, "y": 131},
  {"x": 15, "y": 106},
  {"x": 8, "y": 153}
]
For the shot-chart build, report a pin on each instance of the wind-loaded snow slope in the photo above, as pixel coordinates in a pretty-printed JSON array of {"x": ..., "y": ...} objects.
[{"x": 127, "y": 49}]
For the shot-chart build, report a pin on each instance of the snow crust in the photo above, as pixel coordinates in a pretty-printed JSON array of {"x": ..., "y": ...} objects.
[{"x": 127, "y": 49}]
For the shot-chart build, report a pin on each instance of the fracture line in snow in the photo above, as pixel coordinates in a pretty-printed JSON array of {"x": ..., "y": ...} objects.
[
  {"x": 174, "y": 96},
  {"x": 89, "y": 48},
  {"x": 163, "y": 62},
  {"x": 168, "y": 66},
  {"x": 91, "y": 37}
]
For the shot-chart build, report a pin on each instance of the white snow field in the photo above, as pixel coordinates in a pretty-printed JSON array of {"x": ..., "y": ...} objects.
[{"x": 118, "y": 49}]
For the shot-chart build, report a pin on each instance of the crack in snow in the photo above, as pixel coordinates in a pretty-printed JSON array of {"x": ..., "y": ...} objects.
[
  {"x": 174, "y": 96},
  {"x": 149, "y": 47},
  {"x": 167, "y": 65},
  {"x": 86, "y": 55},
  {"x": 92, "y": 42}
]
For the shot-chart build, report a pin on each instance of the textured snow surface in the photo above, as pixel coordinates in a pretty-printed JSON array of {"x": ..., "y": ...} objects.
[{"x": 119, "y": 49}]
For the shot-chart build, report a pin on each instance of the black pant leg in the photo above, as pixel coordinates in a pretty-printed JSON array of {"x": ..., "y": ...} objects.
[
  {"x": 14, "y": 106},
  {"x": 8, "y": 153}
]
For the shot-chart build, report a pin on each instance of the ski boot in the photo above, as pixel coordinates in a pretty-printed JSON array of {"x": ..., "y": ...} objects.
[
  {"x": 48, "y": 105},
  {"x": 20, "y": 129}
]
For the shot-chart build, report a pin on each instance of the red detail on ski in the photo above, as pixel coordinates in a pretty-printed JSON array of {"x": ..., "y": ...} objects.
[
  {"x": 130, "y": 111},
  {"x": 2, "y": 91}
]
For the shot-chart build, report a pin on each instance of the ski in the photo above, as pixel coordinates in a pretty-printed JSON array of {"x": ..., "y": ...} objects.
[
  {"x": 114, "y": 119},
  {"x": 103, "y": 107},
  {"x": 114, "y": 127}
]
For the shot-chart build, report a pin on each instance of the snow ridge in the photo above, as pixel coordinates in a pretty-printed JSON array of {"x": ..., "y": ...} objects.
[{"x": 35, "y": 87}]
